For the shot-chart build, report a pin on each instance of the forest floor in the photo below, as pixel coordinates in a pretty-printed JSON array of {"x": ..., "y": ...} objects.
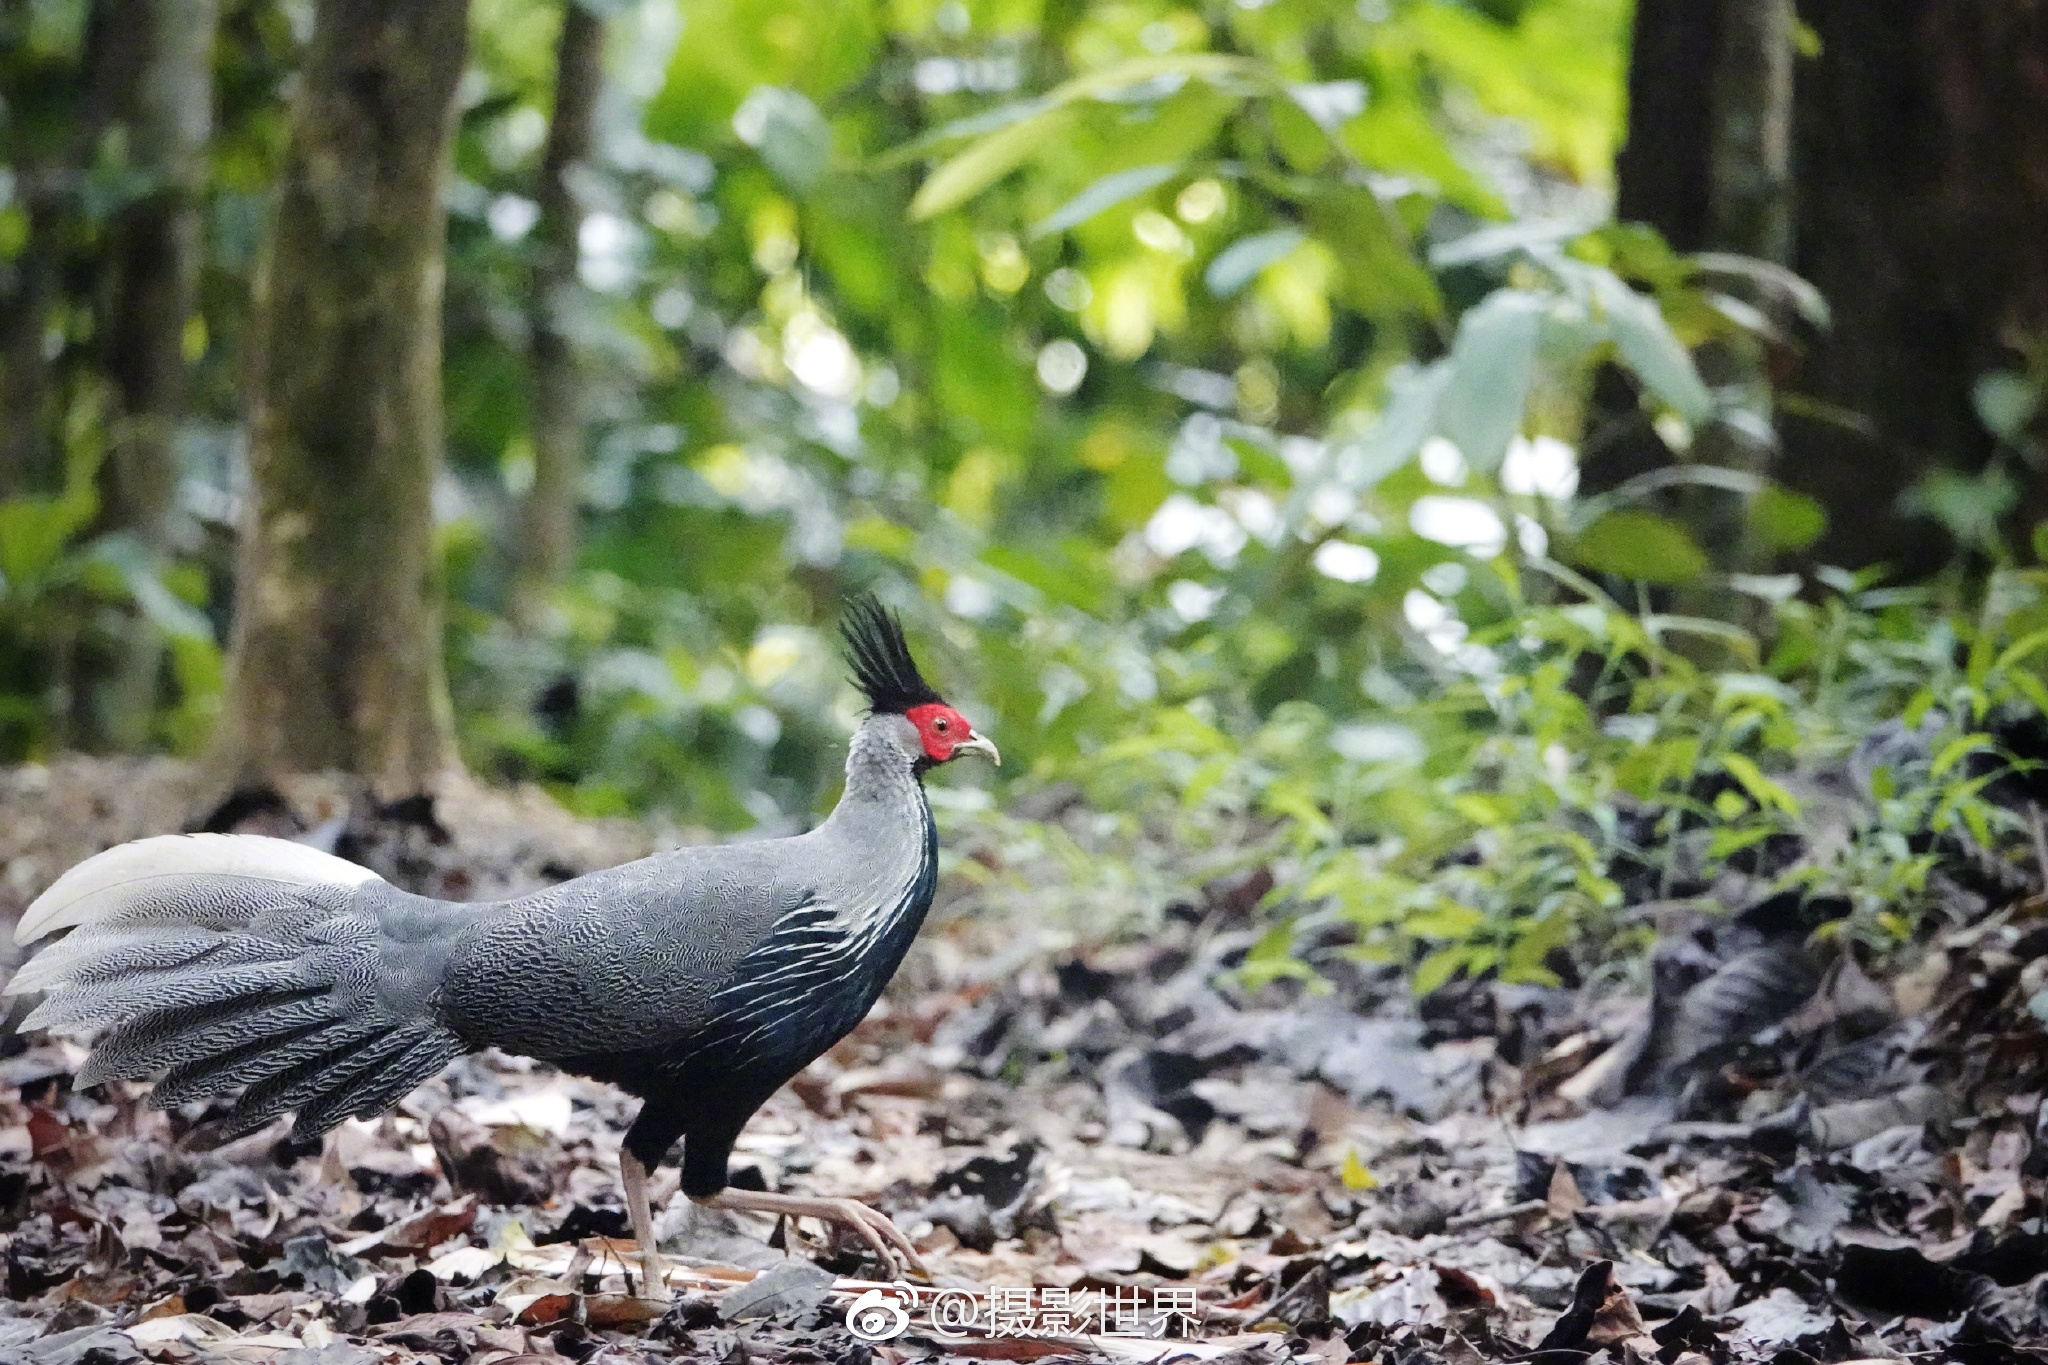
[{"x": 1106, "y": 1152}]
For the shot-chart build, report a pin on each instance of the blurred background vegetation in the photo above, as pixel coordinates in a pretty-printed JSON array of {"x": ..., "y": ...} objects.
[{"x": 1494, "y": 456}]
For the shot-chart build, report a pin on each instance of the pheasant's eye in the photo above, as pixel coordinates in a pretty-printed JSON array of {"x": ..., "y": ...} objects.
[{"x": 942, "y": 725}]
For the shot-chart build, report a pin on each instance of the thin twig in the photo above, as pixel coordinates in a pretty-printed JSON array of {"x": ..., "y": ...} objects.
[{"x": 1479, "y": 1220}]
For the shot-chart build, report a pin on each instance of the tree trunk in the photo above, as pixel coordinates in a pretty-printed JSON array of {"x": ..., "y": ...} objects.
[
  {"x": 1750, "y": 197},
  {"x": 1708, "y": 162},
  {"x": 337, "y": 657},
  {"x": 1664, "y": 171},
  {"x": 165, "y": 104},
  {"x": 26, "y": 462},
  {"x": 547, "y": 546},
  {"x": 56, "y": 112},
  {"x": 1919, "y": 166}
]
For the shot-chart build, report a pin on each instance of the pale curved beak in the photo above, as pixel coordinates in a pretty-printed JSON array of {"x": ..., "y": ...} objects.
[{"x": 979, "y": 744}]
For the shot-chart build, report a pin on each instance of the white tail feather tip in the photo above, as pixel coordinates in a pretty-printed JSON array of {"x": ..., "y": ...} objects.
[{"x": 121, "y": 876}]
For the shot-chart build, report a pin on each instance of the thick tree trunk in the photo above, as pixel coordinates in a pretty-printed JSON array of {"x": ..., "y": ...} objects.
[
  {"x": 547, "y": 546},
  {"x": 1923, "y": 166},
  {"x": 337, "y": 658},
  {"x": 1920, "y": 173},
  {"x": 164, "y": 103},
  {"x": 1664, "y": 172}
]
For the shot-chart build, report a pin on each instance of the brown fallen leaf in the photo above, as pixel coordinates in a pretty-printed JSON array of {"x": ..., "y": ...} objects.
[
  {"x": 620, "y": 1312},
  {"x": 1602, "y": 1314},
  {"x": 1563, "y": 1198},
  {"x": 546, "y": 1309},
  {"x": 429, "y": 1229},
  {"x": 163, "y": 1308}
]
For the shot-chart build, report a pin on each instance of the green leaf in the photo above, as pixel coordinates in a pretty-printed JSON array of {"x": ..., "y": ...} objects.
[
  {"x": 959, "y": 130},
  {"x": 1642, "y": 546},
  {"x": 1648, "y": 347},
  {"x": 1105, "y": 193},
  {"x": 788, "y": 131},
  {"x": 987, "y": 161},
  {"x": 1785, "y": 520},
  {"x": 1439, "y": 967},
  {"x": 1493, "y": 361},
  {"x": 1303, "y": 144},
  {"x": 1119, "y": 77},
  {"x": 1238, "y": 264},
  {"x": 1955, "y": 751},
  {"x": 1768, "y": 794},
  {"x": 1534, "y": 235},
  {"x": 34, "y": 532},
  {"x": 1403, "y": 426},
  {"x": 2005, "y": 403},
  {"x": 1383, "y": 278}
]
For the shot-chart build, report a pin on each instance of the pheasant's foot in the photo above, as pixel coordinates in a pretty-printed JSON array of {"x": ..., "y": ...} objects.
[{"x": 871, "y": 1225}]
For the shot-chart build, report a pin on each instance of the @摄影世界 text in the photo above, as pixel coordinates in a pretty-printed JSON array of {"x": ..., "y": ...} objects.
[{"x": 1019, "y": 1311}]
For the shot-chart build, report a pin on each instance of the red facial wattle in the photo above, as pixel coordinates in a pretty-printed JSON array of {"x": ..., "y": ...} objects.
[{"x": 940, "y": 727}]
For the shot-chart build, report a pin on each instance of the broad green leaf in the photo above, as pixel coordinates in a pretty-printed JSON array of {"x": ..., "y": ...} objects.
[
  {"x": 1439, "y": 967},
  {"x": 34, "y": 532},
  {"x": 1242, "y": 262},
  {"x": 1105, "y": 193},
  {"x": 1648, "y": 347},
  {"x": 1785, "y": 520},
  {"x": 788, "y": 131},
  {"x": 1534, "y": 235},
  {"x": 1383, "y": 278},
  {"x": 960, "y": 129},
  {"x": 1238, "y": 264},
  {"x": 2005, "y": 403},
  {"x": 1493, "y": 361},
  {"x": 985, "y": 162},
  {"x": 1403, "y": 426},
  {"x": 1639, "y": 545},
  {"x": 1303, "y": 144}
]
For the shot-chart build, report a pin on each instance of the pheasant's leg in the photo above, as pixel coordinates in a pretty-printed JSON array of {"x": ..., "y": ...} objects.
[
  {"x": 873, "y": 1227},
  {"x": 652, "y": 1269}
]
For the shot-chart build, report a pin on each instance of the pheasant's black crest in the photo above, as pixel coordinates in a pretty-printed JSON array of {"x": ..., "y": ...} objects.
[{"x": 881, "y": 662}]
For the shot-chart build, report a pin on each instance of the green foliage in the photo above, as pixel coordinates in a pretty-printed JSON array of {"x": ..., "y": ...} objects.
[
  {"x": 1210, "y": 383},
  {"x": 67, "y": 598}
]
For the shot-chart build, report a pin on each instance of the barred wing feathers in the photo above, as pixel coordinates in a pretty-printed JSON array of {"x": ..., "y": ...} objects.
[
  {"x": 234, "y": 962},
  {"x": 623, "y": 960}
]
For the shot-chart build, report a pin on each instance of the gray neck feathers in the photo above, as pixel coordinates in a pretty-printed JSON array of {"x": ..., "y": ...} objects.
[{"x": 876, "y": 834}]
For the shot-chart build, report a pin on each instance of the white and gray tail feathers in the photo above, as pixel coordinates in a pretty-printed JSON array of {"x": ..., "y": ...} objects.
[{"x": 228, "y": 962}]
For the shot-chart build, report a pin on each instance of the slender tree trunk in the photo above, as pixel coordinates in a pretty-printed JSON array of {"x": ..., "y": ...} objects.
[
  {"x": 1750, "y": 196},
  {"x": 26, "y": 464},
  {"x": 1708, "y": 162},
  {"x": 337, "y": 655},
  {"x": 54, "y": 126},
  {"x": 165, "y": 104},
  {"x": 548, "y": 516}
]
